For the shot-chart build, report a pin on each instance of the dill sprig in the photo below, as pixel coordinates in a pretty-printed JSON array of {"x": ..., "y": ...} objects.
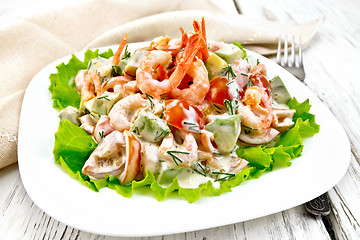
[
  {"x": 102, "y": 134},
  {"x": 227, "y": 176},
  {"x": 193, "y": 126},
  {"x": 136, "y": 130},
  {"x": 199, "y": 172},
  {"x": 249, "y": 84},
  {"x": 229, "y": 83},
  {"x": 175, "y": 158},
  {"x": 150, "y": 100},
  {"x": 106, "y": 97},
  {"x": 162, "y": 111},
  {"x": 231, "y": 106},
  {"x": 229, "y": 72},
  {"x": 127, "y": 54},
  {"x": 159, "y": 134}
]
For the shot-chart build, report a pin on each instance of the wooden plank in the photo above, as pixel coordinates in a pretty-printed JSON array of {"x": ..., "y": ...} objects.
[{"x": 333, "y": 80}]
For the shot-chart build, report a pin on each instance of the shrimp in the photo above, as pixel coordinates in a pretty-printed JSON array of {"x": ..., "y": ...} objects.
[
  {"x": 120, "y": 84},
  {"x": 198, "y": 29},
  {"x": 124, "y": 112},
  {"x": 102, "y": 128},
  {"x": 165, "y": 43},
  {"x": 119, "y": 155},
  {"x": 117, "y": 55},
  {"x": 79, "y": 79},
  {"x": 90, "y": 86},
  {"x": 257, "y": 112},
  {"x": 258, "y": 78},
  {"x": 155, "y": 88},
  {"x": 160, "y": 43},
  {"x": 115, "y": 83},
  {"x": 182, "y": 155},
  {"x": 197, "y": 91}
]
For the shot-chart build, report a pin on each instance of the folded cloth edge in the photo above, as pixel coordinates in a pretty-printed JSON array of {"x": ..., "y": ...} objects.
[{"x": 260, "y": 35}]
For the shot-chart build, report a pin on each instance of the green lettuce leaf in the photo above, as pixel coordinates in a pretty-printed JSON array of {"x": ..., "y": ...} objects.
[
  {"x": 62, "y": 88},
  {"x": 73, "y": 145}
]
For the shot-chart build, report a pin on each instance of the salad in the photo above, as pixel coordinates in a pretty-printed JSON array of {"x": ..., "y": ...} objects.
[{"x": 183, "y": 115}]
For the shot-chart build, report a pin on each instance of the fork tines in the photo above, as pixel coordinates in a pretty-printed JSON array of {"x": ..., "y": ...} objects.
[{"x": 294, "y": 62}]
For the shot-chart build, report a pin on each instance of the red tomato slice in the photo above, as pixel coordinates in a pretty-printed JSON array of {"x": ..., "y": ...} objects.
[
  {"x": 218, "y": 91},
  {"x": 181, "y": 114}
]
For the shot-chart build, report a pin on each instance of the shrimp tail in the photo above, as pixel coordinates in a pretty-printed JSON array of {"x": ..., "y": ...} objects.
[
  {"x": 116, "y": 58},
  {"x": 200, "y": 28},
  {"x": 184, "y": 37}
]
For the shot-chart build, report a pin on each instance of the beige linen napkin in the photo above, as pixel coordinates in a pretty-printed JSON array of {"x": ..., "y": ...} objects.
[{"x": 30, "y": 44}]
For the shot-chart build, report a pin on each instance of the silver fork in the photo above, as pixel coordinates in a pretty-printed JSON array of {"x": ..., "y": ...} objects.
[
  {"x": 319, "y": 206},
  {"x": 293, "y": 64}
]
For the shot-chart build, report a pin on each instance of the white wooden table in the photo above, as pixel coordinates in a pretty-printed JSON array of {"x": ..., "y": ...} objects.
[{"x": 333, "y": 79}]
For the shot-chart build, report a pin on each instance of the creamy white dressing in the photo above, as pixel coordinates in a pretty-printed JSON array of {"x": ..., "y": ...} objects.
[
  {"x": 154, "y": 154},
  {"x": 191, "y": 179}
]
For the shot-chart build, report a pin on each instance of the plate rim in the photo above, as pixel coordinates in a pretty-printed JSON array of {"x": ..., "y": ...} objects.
[{"x": 32, "y": 193}]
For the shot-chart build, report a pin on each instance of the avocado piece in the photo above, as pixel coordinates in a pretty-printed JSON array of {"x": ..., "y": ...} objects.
[
  {"x": 134, "y": 61},
  {"x": 214, "y": 65},
  {"x": 70, "y": 113},
  {"x": 150, "y": 127},
  {"x": 103, "y": 104},
  {"x": 229, "y": 52},
  {"x": 279, "y": 92},
  {"x": 122, "y": 64},
  {"x": 101, "y": 66},
  {"x": 226, "y": 130}
]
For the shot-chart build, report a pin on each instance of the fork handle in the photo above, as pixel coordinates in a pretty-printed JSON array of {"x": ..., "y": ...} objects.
[{"x": 319, "y": 206}]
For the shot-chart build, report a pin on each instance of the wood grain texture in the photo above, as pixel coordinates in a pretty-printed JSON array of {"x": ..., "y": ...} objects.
[{"x": 331, "y": 63}]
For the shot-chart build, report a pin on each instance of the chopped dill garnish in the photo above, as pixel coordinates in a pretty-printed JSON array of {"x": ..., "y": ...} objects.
[
  {"x": 193, "y": 126},
  {"x": 176, "y": 158},
  {"x": 102, "y": 134},
  {"x": 115, "y": 70},
  {"x": 228, "y": 175},
  {"x": 248, "y": 127},
  {"x": 162, "y": 112},
  {"x": 106, "y": 97},
  {"x": 136, "y": 130},
  {"x": 199, "y": 172},
  {"x": 127, "y": 54},
  {"x": 229, "y": 72},
  {"x": 224, "y": 173},
  {"x": 202, "y": 168},
  {"x": 222, "y": 179},
  {"x": 257, "y": 62},
  {"x": 249, "y": 84},
  {"x": 231, "y": 107},
  {"x": 230, "y": 82},
  {"x": 216, "y": 153},
  {"x": 158, "y": 136},
  {"x": 150, "y": 99}
]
